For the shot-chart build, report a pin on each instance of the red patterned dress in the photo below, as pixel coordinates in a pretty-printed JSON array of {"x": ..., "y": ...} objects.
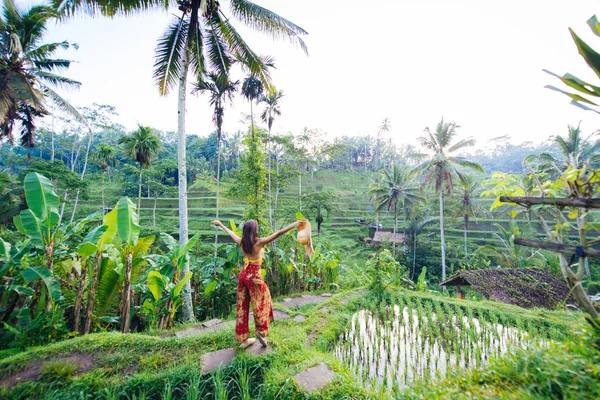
[{"x": 252, "y": 289}]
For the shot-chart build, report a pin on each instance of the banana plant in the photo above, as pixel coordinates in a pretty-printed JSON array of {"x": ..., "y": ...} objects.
[
  {"x": 39, "y": 223},
  {"x": 128, "y": 230},
  {"x": 166, "y": 298},
  {"x": 168, "y": 266},
  {"x": 12, "y": 285}
]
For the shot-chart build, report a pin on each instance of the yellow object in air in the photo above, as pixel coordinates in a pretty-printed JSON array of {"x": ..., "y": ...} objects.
[{"x": 304, "y": 237}]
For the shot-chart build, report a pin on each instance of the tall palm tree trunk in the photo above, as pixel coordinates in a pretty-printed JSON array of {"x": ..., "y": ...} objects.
[
  {"x": 102, "y": 189},
  {"x": 300, "y": 188},
  {"x": 139, "y": 190},
  {"x": 404, "y": 225},
  {"x": 85, "y": 163},
  {"x": 186, "y": 310},
  {"x": 466, "y": 227},
  {"x": 269, "y": 182},
  {"x": 443, "y": 240},
  {"x": 217, "y": 195},
  {"x": 395, "y": 228},
  {"x": 52, "y": 137}
]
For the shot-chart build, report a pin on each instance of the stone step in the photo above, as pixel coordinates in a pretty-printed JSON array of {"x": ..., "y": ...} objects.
[{"x": 314, "y": 378}]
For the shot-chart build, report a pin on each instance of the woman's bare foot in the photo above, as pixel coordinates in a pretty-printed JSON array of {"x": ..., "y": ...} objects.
[
  {"x": 247, "y": 343},
  {"x": 261, "y": 338}
]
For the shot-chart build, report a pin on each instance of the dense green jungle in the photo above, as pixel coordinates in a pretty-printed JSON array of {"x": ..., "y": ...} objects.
[{"x": 115, "y": 283}]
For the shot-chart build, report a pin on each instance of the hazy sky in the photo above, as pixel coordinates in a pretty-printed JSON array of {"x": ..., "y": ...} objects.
[{"x": 475, "y": 62}]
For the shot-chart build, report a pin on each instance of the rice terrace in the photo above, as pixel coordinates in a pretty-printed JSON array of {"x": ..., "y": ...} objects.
[{"x": 299, "y": 200}]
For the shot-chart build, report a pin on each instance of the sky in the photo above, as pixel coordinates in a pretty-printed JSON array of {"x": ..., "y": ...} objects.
[{"x": 477, "y": 63}]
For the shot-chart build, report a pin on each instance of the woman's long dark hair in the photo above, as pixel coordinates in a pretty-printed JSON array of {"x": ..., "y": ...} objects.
[{"x": 249, "y": 236}]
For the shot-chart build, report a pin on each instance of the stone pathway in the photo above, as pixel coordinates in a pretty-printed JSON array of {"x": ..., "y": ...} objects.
[
  {"x": 222, "y": 358},
  {"x": 314, "y": 378},
  {"x": 207, "y": 326},
  {"x": 304, "y": 299},
  {"x": 216, "y": 324},
  {"x": 309, "y": 380}
]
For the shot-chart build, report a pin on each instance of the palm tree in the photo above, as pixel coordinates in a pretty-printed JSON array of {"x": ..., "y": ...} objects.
[
  {"x": 220, "y": 90},
  {"x": 252, "y": 90},
  {"x": 394, "y": 187},
  {"x": 573, "y": 150},
  {"x": 141, "y": 145},
  {"x": 202, "y": 35},
  {"x": 441, "y": 170},
  {"x": 104, "y": 156},
  {"x": 510, "y": 255},
  {"x": 469, "y": 207},
  {"x": 272, "y": 102},
  {"x": 29, "y": 73}
]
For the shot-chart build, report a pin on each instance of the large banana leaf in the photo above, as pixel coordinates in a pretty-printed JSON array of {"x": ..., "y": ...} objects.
[
  {"x": 32, "y": 274},
  {"x": 157, "y": 283},
  {"x": 181, "y": 283},
  {"x": 108, "y": 290},
  {"x": 31, "y": 227},
  {"x": 591, "y": 57},
  {"x": 110, "y": 220},
  {"x": 40, "y": 195},
  {"x": 182, "y": 252},
  {"x": 92, "y": 241},
  {"x": 127, "y": 221},
  {"x": 4, "y": 250}
]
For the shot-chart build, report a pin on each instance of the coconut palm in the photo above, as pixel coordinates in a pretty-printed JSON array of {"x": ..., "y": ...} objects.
[
  {"x": 29, "y": 73},
  {"x": 202, "y": 38},
  {"x": 272, "y": 103},
  {"x": 104, "y": 156},
  {"x": 141, "y": 145},
  {"x": 392, "y": 188},
  {"x": 220, "y": 89},
  {"x": 442, "y": 169},
  {"x": 468, "y": 206},
  {"x": 573, "y": 150},
  {"x": 252, "y": 90}
]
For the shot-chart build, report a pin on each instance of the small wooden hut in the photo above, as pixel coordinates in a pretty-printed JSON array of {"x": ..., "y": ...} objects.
[
  {"x": 385, "y": 237},
  {"x": 524, "y": 287}
]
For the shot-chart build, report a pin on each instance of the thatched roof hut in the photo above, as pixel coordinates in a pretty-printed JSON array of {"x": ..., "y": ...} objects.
[
  {"x": 385, "y": 237},
  {"x": 524, "y": 287}
]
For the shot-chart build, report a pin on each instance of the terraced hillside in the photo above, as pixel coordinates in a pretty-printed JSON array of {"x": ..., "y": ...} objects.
[{"x": 342, "y": 228}]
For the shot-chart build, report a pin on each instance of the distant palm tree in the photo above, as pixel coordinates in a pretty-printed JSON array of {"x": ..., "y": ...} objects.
[
  {"x": 573, "y": 150},
  {"x": 252, "y": 90},
  {"x": 220, "y": 90},
  {"x": 141, "y": 145},
  {"x": 468, "y": 207},
  {"x": 272, "y": 102},
  {"x": 29, "y": 73},
  {"x": 441, "y": 170},
  {"x": 392, "y": 188},
  {"x": 104, "y": 156}
]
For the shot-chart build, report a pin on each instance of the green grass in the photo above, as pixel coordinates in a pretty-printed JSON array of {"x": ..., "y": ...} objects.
[{"x": 137, "y": 364}]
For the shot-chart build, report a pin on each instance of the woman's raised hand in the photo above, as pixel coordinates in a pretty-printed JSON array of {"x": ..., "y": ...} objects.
[{"x": 216, "y": 222}]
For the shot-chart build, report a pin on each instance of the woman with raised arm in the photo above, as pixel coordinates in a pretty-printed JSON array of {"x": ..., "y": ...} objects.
[{"x": 251, "y": 286}]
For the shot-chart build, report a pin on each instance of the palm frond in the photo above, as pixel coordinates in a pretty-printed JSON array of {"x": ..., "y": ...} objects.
[
  {"x": 108, "y": 8},
  {"x": 462, "y": 144},
  {"x": 168, "y": 65},
  {"x": 466, "y": 164},
  {"x": 52, "y": 65},
  {"x": 64, "y": 105},
  {"x": 257, "y": 66},
  {"x": 263, "y": 20},
  {"x": 218, "y": 54},
  {"x": 58, "y": 80}
]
